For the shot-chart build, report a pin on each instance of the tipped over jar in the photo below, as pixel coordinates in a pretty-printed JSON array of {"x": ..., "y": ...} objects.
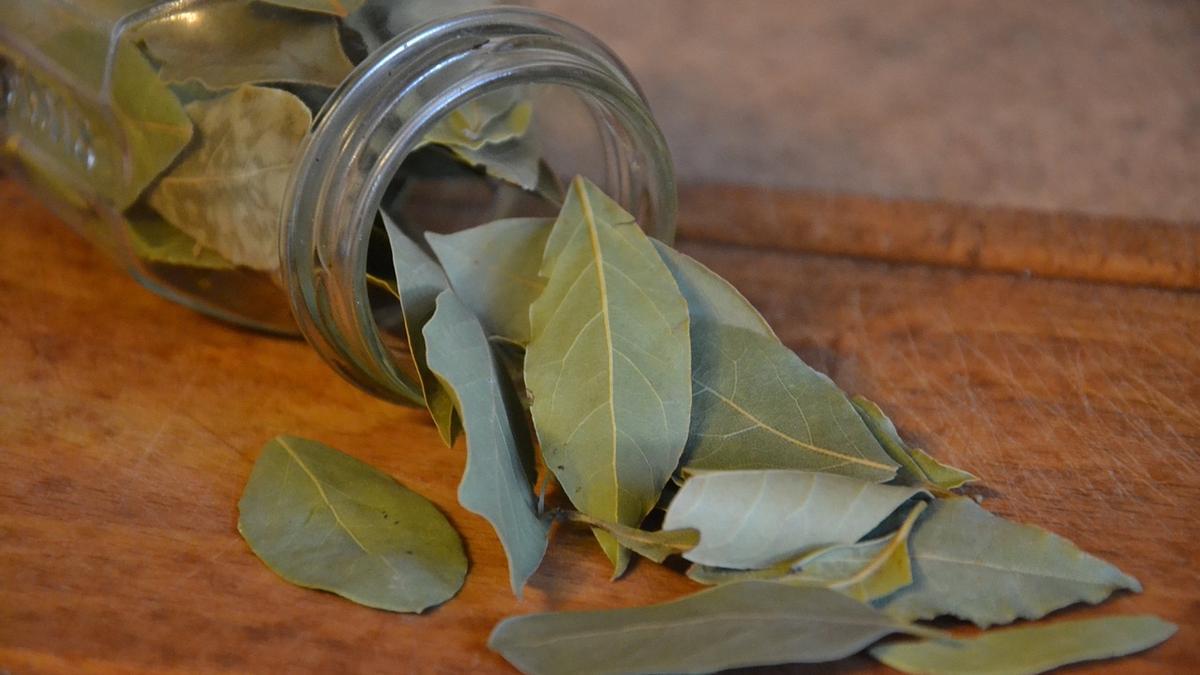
[{"x": 236, "y": 155}]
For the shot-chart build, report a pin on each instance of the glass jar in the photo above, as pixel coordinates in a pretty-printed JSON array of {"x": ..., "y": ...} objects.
[{"x": 235, "y": 155}]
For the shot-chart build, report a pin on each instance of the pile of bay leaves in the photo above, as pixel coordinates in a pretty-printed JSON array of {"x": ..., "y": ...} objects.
[
  {"x": 640, "y": 383},
  {"x": 213, "y": 103}
]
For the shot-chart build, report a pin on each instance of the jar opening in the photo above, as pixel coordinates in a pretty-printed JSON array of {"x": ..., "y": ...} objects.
[{"x": 577, "y": 111}]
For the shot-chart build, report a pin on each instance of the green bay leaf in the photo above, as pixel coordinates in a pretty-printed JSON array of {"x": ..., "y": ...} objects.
[
  {"x": 916, "y": 466},
  {"x": 228, "y": 191},
  {"x": 227, "y": 44},
  {"x": 494, "y": 271},
  {"x": 1028, "y": 649},
  {"x": 741, "y": 624},
  {"x": 755, "y": 519},
  {"x": 608, "y": 362},
  {"x": 498, "y": 480},
  {"x": 756, "y": 405},
  {"x": 322, "y": 519},
  {"x": 419, "y": 281},
  {"x": 976, "y": 566}
]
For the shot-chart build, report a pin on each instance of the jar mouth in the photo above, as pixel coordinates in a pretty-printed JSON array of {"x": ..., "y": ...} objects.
[{"x": 381, "y": 114}]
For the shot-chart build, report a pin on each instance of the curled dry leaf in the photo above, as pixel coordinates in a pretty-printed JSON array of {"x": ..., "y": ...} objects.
[
  {"x": 916, "y": 466},
  {"x": 419, "y": 281},
  {"x": 498, "y": 480}
]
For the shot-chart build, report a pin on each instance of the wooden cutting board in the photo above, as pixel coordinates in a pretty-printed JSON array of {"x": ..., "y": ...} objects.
[{"x": 1057, "y": 357}]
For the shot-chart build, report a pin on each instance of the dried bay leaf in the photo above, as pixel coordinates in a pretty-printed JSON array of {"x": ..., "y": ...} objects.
[
  {"x": 498, "y": 480},
  {"x": 323, "y": 519},
  {"x": 151, "y": 120},
  {"x": 655, "y": 545},
  {"x": 419, "y": 281},
  {"x": 495, "y": 117},
  {"x": 735, "y": 625},
  {"x": 916, "y": 466},
  {"x": 976, "y": 566},
  {"x": 156, "y": 240},
  {"x": 231, "y": 43},
  {"x": 491, "y": 132},
  {"x": 755, "y": 519},
  {"x": 1028, "y": 649},
  {"x": 607, "y": 365},
  {"x": 494, "y": 271},
  {"x": 756, "y": 405},
  {"x": 867, "y": 570},
  {"x": 710, "y": 298},
  {"x": 753, "y": 397},
  {"x": 228, "y": 191}
]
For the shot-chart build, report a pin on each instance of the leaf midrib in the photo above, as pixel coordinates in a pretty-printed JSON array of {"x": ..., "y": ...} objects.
[
  {"x": 589, "y": 219},
  {"x": 324, "y": 497}
]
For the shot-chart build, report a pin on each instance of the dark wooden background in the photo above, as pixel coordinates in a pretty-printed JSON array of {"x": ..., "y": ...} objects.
[{"x": 1056, "y": 356}]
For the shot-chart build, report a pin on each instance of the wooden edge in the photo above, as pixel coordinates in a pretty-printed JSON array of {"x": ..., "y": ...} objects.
[{"x": 1053, "y": 245}]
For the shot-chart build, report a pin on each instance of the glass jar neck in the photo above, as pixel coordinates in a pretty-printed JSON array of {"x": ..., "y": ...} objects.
[{"x": 381, "y": 113}]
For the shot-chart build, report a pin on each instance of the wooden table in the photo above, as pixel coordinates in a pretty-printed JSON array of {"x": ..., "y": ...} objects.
[{"x": 1057, "y": 357}]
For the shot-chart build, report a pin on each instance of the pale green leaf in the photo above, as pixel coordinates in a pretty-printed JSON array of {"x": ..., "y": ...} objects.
[
  {"x": 323, "y": 519},
  {"x": 710, "y": 298},
  {"x": 340, "y": 8},
  {"x": 149, "y": 118},
  {"x": 494, "y": 271},
  {"x": 916, "y": 466},
  {"x": 742, "y": 624},
  {"x": 654, "y": 545},
  {"x": 419, "y": 282},
  {"x": 155, "y": 240},
  {"x": 754, "y": 519},
  {"x": 756, "y": 405},
  {"x": 228, "y": 191},
  {"x": 497, "y": 482},
  {"x": 227, "y": 44},
  {"x": 1028, "y": 649},
  {"x": 607, "y": 366},
  {"x": 979, "y": 567}
]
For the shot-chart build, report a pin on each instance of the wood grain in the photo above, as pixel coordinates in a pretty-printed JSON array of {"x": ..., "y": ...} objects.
[
  {"x": 1059, "y": 246},
  {"x": 128, "y": 426}
]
